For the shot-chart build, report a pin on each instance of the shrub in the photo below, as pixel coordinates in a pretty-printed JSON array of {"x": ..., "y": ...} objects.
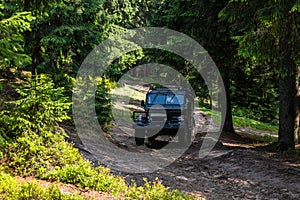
[
  {"x": 34, "y": 155},
  {"x": 56, "y": 160},
  {"x": 84, "y": 175},
  {"x": 103, "y": 104},
  {"x": 38, "y": 110},
  {"x": 11, "y": 188},
  {"x": 30, "y": 138},
  {"x": 155, "y": 191}
]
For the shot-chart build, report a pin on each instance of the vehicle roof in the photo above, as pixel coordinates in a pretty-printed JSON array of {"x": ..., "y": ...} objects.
[{"x": 167, "y": 90}]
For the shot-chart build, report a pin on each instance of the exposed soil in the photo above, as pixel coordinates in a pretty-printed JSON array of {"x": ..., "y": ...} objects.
[
  {"x": 69, "y": 189},
  {"x": 239, "y": 170},
  {"x": 238, "y": 167}
]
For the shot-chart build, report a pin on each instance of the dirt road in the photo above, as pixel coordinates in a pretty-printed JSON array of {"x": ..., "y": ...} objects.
[
  {"x": 235, "y": 169},
  {"x": 226, "y": 173}
]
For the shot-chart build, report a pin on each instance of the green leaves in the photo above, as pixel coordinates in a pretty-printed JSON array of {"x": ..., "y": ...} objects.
[
  {"x": 103, "y": 104},
  {"x": 267, "y": 21},
  {"x": 296, "y": 7},
  {"x": 39, "y": 109},
  {"x": 12, "y": 40},
  {"x": 15, "y": 188}
]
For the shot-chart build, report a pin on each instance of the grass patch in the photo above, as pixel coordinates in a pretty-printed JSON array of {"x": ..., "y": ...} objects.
[
  {"x": 254, "y": 124},
  {"x": 246, "y": 122}
]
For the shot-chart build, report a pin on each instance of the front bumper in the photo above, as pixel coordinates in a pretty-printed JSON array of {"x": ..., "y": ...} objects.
[{"x": 148, "y": 126}]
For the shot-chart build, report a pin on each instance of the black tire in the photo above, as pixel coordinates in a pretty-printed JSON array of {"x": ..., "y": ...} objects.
[
  {"x": 139, "y": 137},
  {"x": 139, "y": 141},
  {"x": 152, "y": 138}
]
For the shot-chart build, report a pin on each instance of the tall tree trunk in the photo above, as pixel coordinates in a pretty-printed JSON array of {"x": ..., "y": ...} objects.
[
  {"x": 297, "y": 107},
  {"x": 286, "y": 113},
  {"x": 228, "y": 124},
  {"x": 287, "y": 92}
]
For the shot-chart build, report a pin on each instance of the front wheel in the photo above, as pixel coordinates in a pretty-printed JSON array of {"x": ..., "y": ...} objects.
[{"x": 139, "y": 137}]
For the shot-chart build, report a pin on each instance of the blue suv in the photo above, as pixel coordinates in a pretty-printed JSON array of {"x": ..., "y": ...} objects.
[{"x": 167, "y": 110}]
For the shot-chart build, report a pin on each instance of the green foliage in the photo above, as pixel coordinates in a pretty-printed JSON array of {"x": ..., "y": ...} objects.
[
  {"x": 254, "y": 94},
  {"x": 103, "y": 104},
  {"x": 56, "y": 160},
  {"x": 296, "y": 7},
  {"x": 35, "y": 155},
  {"x": 12, "y": 41},
  {"x": 61, "y": 34},
  {"x": 101, "y": 100},
  {"x": 259, "y": 40},
  {"x": 199, "y": 20},
  {"x": 240, "y": 119},
  {"x": 38, "y": 148},
  {"x": 254, "y": 124},
  {"x": 62, "y": 79},
  {"x": 39, "y": 109},
  {"x": 155, "y": 191},
  {"x": 267, "y": 36},
  {"x": 72, "y": 29},
  {"x": 30, "y": 126},
  {"x": 127, "y": 13},
  {"x": 84, "y": 175},
  {"x": 123, "y": 64},
  {"x": 11, "y": 188}
]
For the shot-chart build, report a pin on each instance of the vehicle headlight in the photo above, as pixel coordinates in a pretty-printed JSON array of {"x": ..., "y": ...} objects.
[
  {"x": 139, "y": 118},
  {"x": 142, "y": 118}
]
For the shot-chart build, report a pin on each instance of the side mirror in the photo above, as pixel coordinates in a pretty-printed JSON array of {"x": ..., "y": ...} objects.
[{"x": 142, "y": 103}]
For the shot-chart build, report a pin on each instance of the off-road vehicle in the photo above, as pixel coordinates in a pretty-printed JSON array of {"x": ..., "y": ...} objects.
[{"x": 167, "y": 110}]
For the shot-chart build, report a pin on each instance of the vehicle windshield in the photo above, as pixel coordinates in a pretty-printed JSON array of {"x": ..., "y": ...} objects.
[{"x": 169, "y": 99}]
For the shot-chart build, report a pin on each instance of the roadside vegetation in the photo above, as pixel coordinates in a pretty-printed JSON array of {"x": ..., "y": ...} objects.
[
  {"x": 33, "y": 145},
  {"x": 244, "y": 121}
]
